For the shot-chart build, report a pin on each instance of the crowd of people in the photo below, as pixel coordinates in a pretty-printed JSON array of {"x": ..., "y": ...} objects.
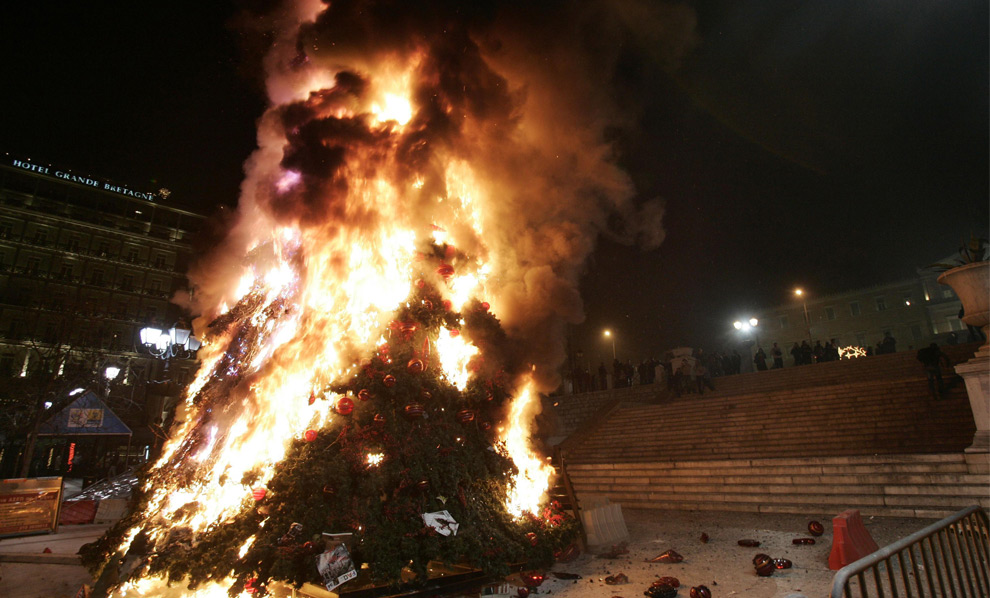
[{"x": 696, "y": 370}]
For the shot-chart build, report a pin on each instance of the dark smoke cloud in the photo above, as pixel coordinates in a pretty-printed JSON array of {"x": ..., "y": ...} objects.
[{"x": 522, "y": 91}]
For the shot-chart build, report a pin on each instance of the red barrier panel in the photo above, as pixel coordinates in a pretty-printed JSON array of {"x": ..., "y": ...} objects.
[
  {"x": 78, "y": 512},
  {"x": 850, "y": 540}
]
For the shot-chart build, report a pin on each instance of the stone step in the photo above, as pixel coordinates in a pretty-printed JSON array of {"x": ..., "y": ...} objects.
[{"x": 811, "y": 510}]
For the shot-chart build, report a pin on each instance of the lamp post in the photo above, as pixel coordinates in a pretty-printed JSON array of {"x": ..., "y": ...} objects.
[
  {"x": 608, "y": 334},
  {"x": 747, "y": 326},
  {"x": 804, "y": 304},
  {"x": 175, "y": 342},
  {"x": 110, "y": 374}
]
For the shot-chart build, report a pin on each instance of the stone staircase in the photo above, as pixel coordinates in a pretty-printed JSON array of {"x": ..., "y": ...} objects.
[
  {"x": 814, "y": 439},
  {"x": 927, "y": 486}
]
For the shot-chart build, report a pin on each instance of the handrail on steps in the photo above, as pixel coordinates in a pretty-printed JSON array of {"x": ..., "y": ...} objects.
[{"x": 948, "y": 558}]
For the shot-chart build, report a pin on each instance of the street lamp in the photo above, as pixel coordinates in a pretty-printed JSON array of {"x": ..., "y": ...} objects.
[
  {"x": 164, "y": 345},
  {"x": 110, "y": 373},
  {"x": 608, "y": 334},
  {"x": 747, "y": 326},
  {"x": 804, "y": 304}
]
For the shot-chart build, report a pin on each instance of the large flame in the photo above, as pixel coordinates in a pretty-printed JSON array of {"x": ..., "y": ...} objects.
[{"x": 331, "y": 239}]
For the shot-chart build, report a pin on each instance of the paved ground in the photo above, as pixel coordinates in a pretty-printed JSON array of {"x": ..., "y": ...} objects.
[
  {"x": 721, "y": 564},
  {"x": 48, "y": 576}
]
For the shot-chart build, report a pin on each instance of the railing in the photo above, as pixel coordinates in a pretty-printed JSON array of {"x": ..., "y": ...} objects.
[{"x": 946, "y": 559}]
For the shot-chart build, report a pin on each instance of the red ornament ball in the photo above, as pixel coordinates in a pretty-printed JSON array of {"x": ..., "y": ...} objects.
[
  {"x": 249, "y": 585},
  {"x": 420, "y": 283},
  {"x": 312, "y": 397},
  {"x": 533, "y": 539},
  {"x": 344, "y": 405},
  {"x": 310, "y": 435},
  {"x": 485, "y": 426},
  {"x": 523, "y": 592},
  {"x": 454, "y": 333},
  {"x": 803, "y": 541},
  {"x": 413, "y": 411},
  {"x": 782, "y": 563},
  {"x": 532, "y": 579},
  {"x": 329, "y": 490},
  {"x": 415, "y": 366},
  {"x": 309, "y": 546},
  {"x": 425, "y": 394},
  {"x": 364, "y": 394},
  {"x": 485, "y": 306},
  {"x": 259, "y": 493},
  {"x": 661, "y": 591},
  {"x": 379, "y": 419},
  {"x": 423, "y": 485},
  {"x": 447, "y": 305},
  {"x": 667, "y": 581},
  {"x": 389, "y": 380},
  {"x": 815, "y": 528},
  {"x": 465, "y": 416},
  {"x": 445, "y": 270},
  {"x": 701, "y": 592},
  {"x": 764, "y": 566}
]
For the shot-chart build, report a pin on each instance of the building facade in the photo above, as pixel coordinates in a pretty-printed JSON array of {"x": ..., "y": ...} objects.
[
  {"x": 915, "y": 312},
  {"x": 85, "y": 263}
]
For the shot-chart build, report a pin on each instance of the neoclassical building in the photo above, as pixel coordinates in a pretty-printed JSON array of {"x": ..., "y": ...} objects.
[
  {"x": 85, "y": 263},
  {"x": 916, "y": 312}
]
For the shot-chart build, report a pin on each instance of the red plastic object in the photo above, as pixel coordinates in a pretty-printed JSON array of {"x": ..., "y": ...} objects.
[
  {"x": 77, "y": 512},
  {"x": 850, "y": 540}
]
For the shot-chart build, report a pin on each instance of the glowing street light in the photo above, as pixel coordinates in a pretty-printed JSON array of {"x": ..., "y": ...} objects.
[
  {"x": 608, "y": 334},
  {"x": 746, "y": 326},
  {"x": 169, "y": 343}
]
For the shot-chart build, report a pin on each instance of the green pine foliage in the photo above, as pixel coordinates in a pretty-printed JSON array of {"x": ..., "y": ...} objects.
[{"x": 445, "y": 458}]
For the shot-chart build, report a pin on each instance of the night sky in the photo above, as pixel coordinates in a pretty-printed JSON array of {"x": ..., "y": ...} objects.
[{"x": 826, "y": 145}]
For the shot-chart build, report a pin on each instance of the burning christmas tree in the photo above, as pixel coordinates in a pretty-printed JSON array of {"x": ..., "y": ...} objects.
[{"x": 383, "y": 312}]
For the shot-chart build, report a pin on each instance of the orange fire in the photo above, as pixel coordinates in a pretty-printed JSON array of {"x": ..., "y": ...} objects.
[
  {"x": 316, "y": 297},
  {"x": 444, "y": 146}
]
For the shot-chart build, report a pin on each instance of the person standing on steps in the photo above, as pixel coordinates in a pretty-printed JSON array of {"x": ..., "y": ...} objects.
[
  {"x": 932, "y": 358},
  {"x": 778, "y": 357}
]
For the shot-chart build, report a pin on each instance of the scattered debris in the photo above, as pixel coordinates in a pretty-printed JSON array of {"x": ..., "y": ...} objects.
[
  {"x": 615, "y": 552},
  {"x": 661, "y": 591},
  {"x": 748, "y": 543},
  {"x": 670, "y": 556},
  {"x": 701, "y": 592},
  {"x": 617, "y": 580},
  {"x": 670, "y": 581},
  {"x": 704, "y": 538},
  {"x": 803, "y": 541},
  {"x": 565, "y": 575}
]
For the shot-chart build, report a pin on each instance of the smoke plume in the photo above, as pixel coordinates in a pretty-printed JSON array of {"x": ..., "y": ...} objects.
[{"x": 510, "y": 106}]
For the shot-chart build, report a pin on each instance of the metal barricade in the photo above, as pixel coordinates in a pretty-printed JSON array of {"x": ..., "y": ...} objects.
[{"x": 950, "y": 558}]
